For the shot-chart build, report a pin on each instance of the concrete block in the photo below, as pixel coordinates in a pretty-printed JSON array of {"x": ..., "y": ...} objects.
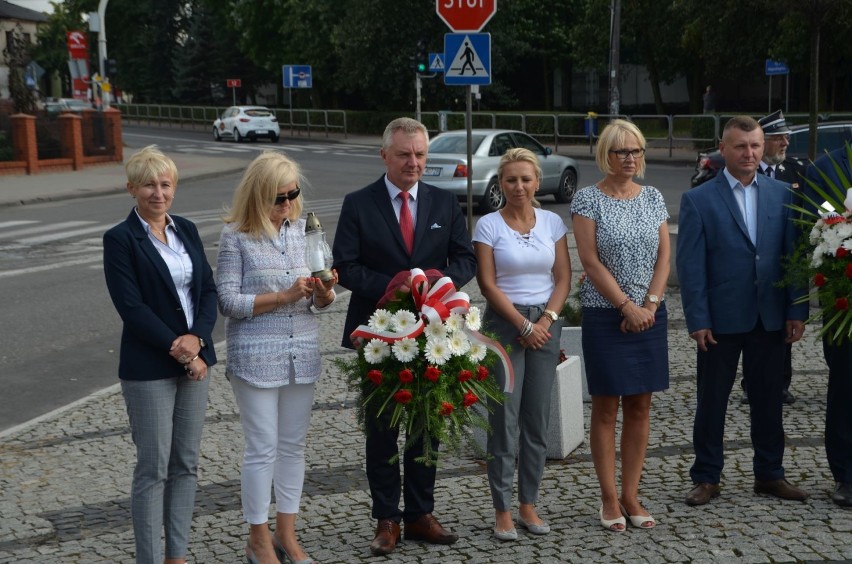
[
  {"x": 571, "y": 341},
  {"x": 565, "y": 430}
]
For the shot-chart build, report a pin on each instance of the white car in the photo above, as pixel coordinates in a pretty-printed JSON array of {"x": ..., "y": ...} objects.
[{"x": 246, "y": 122}]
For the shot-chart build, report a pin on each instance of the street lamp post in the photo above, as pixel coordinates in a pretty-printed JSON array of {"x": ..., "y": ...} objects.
[{"x": 102, "y": 49}]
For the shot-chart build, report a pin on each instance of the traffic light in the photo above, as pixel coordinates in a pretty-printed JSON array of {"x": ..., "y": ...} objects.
[
  {"x": 110, "y": 67},
  {"x": 421, "y": 57}
]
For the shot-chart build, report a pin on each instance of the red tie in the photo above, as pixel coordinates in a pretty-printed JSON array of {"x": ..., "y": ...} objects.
[{"x": 406, "y": 223}]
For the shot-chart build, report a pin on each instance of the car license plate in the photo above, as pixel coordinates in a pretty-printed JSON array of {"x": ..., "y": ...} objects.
[
  {"x": 432, "y": 171},
  {"x": 261, "y": 132}
]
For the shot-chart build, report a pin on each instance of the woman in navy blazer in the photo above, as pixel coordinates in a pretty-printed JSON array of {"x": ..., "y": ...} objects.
[{"x": 162, "y": 287}]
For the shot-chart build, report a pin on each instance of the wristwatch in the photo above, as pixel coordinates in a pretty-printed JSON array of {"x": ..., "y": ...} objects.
[
  {"x": 551, "y": 314},
  {"x": 202, "y": 343},
  {"x": 652, "y": 298}
]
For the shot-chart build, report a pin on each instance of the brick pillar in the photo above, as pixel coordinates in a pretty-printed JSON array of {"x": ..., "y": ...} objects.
[
  {"x": 112, "y": 119},
  {"x": 24, "y": 140},
  {"x": 71, "y": 139}
]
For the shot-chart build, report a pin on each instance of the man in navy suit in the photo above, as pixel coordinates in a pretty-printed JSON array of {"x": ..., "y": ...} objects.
[
  {"x": 733, "y": 232},
  {"x": 395, "y": 224},
  {"x": 838, "y": 416}
]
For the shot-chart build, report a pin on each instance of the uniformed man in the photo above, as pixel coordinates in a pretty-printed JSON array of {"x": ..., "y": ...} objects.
[{"x": 778, "y": 165}]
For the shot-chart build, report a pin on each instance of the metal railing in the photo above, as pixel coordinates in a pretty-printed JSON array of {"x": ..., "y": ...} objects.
[{"x": 196, "y": 117}]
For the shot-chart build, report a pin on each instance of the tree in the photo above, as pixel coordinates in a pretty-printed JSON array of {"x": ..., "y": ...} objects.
[
  {"x": 17, "y": 57},
  {"x": 51, "y": 50}
]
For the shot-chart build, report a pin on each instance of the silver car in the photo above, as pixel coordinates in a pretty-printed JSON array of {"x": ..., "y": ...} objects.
[{"x": 446, "y": 166}]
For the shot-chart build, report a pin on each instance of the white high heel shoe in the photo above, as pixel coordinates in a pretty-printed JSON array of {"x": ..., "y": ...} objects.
[{"x": 608, "y": 524}]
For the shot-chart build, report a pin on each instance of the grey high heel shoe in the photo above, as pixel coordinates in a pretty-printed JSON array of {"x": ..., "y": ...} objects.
[{"x": 284, "y": 557}]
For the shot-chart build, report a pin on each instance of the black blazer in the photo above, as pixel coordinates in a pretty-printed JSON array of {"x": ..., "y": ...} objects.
[
  {"x": 142, "y": 291},
  {"x": 369, "y": 250}
]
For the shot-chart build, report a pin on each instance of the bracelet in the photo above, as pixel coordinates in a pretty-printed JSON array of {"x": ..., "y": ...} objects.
[
  {"x": 527, "y": 329},
  {"x": 620, "y": 306},
  {"x": 188, "y": 362}
]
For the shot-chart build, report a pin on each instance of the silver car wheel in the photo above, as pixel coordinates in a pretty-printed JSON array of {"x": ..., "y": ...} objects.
[
  {"x": 493, "y": 199},
  {"x": 567, "y": 187}
]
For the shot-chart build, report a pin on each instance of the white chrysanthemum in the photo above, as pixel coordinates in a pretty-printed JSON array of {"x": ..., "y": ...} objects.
[
  {"x": 437, "y": 351},
  {"x": 435, "y": 331},
  {"x": 403, "y": 320},
  {"x": 454, "y": 322},
  {"x": 458, "y": 343},
  {"x": 477, "y": 351},
  {"x": 405, "y": 350},
  {"x": 376, "y": 351},
  {"x": 473, "y": 320},
  {"x": 380, "y": 320}
]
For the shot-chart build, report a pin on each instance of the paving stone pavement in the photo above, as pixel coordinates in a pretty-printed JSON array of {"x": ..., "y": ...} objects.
[{"x": 65, "y": 481}]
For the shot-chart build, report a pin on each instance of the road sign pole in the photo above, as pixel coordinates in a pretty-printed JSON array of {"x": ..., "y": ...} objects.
[
  {"x": 468, "y": 123},
  {"x": 418, "y": 85},
  {"x": 234, "y": 95}
]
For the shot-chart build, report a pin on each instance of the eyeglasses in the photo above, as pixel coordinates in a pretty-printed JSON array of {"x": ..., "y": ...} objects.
[
  {"x": 624, "y": 153},
  {"x": 281, "y": 198},
  {"x": 778, "y": 138}
]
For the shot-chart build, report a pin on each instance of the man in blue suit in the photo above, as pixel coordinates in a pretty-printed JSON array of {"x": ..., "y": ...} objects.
[
  {"x": 838, "y": 416},
  {"x": 733, "y": 232},
  {"x": 395, "y": 224}
]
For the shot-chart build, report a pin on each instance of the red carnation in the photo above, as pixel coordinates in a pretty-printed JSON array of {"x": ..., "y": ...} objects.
[
  {"x": 819, "y": 280},
  {"x": 481, "y": 373},
  {"x": 466, "y": 375},
  {"x": 432, "y": 373},
  {"x": 841, "y": 252},
  {"x": 402, "y": 396},
  {"x": 375, "y": 376},
  {"x": 446, "y": 409},
  {"x": 841, "y": 304},
  {"x": 849, "y": 270},
  {"x": 469, "y": 399},
  {"x": 405, "y": 376}
]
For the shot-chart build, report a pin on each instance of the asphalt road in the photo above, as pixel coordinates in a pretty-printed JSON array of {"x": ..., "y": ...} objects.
[{"x": 60, "y": 333}]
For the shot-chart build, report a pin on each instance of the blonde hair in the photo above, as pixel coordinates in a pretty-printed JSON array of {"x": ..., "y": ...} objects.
[
  {"x": 406, "y": 125},
  {"x": 520, "y": 155},
  {"x": 147, "y": 164},
  {"x": 616, "y": 134},
  {"x": 255, "y": 196}
]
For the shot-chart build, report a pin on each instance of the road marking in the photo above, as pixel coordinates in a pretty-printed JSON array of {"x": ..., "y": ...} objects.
[
  {"x": 51, "y": 266},
  {"x": 42, "y": 228},
  {"x": 4, "y": 224},
  {"x": 63, "y": 235}
]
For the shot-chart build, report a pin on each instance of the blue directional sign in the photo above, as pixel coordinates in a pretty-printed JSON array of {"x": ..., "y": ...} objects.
[
  {"x": 436, "y": 62},
  {"x": 297, "y": 76},
  {"x": 467, "y": 57},
  {"x": 776, "y": 67}
]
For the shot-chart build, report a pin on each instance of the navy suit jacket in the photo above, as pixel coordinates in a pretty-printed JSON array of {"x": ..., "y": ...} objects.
[
  {"x": 369, "y": 250},
  {"x": 726, "y": 282},
  {"x": 145, "y": 297}
]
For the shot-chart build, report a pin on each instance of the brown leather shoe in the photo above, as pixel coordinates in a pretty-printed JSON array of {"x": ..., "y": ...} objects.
[
  {"x": 427, "y": 529},
  {"x": 387, "y": 535},
  {"x": 781, "y": 489},
  {"x": 702, "y": 493}
]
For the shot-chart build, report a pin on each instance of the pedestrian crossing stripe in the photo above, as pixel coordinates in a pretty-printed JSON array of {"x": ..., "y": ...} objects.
[{"x": 466, "y": 60}]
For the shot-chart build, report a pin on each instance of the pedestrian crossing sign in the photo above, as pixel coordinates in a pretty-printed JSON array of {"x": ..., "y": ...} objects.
[
  {"x": 436, "y": 62},
  {"x": 467, "y": 59}
]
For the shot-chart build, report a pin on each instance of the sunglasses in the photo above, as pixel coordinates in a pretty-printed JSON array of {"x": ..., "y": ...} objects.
[{"x": 281, "y": 198}]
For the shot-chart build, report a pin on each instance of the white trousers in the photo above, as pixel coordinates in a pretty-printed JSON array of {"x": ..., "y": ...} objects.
[{"x": 275, "y": 425}]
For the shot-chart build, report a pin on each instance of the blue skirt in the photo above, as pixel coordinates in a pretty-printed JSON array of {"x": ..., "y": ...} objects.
[{"x": 624, "y": 364}]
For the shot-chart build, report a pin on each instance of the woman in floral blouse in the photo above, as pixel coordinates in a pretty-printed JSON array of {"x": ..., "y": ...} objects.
[{"x": 267, "y": 294}]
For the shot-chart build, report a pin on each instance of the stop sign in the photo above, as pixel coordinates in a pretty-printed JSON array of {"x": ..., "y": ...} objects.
[{"x": 466, "y": 15}]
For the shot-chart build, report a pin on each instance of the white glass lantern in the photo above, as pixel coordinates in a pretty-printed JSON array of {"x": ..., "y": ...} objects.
[{"x": 317, "y": 252}]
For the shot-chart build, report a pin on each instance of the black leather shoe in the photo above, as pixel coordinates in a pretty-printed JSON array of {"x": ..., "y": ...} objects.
[
  {"x": 702, "y": 493},
  {"x": 781, "y": 489},
  {"x": 842, "y": 494},
  {"x": 787, "y": 397}
]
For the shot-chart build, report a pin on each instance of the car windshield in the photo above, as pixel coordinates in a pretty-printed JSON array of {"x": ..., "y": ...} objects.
[
  {"x": 258, "y": 112},
  {"x": 453, "y": 144},
  {"x": 828, "y": 138}
]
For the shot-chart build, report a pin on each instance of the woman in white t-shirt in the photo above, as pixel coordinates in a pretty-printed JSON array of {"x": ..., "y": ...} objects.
[{"x": 524, "y": 272}]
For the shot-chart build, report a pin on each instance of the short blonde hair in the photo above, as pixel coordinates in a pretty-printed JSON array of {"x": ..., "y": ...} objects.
[
  {"x": 147, "y": 164},
  {"x": 616, "y": 134},
  {"x": 255, "y": 196},
  {"x": 519, "y": 155}
]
